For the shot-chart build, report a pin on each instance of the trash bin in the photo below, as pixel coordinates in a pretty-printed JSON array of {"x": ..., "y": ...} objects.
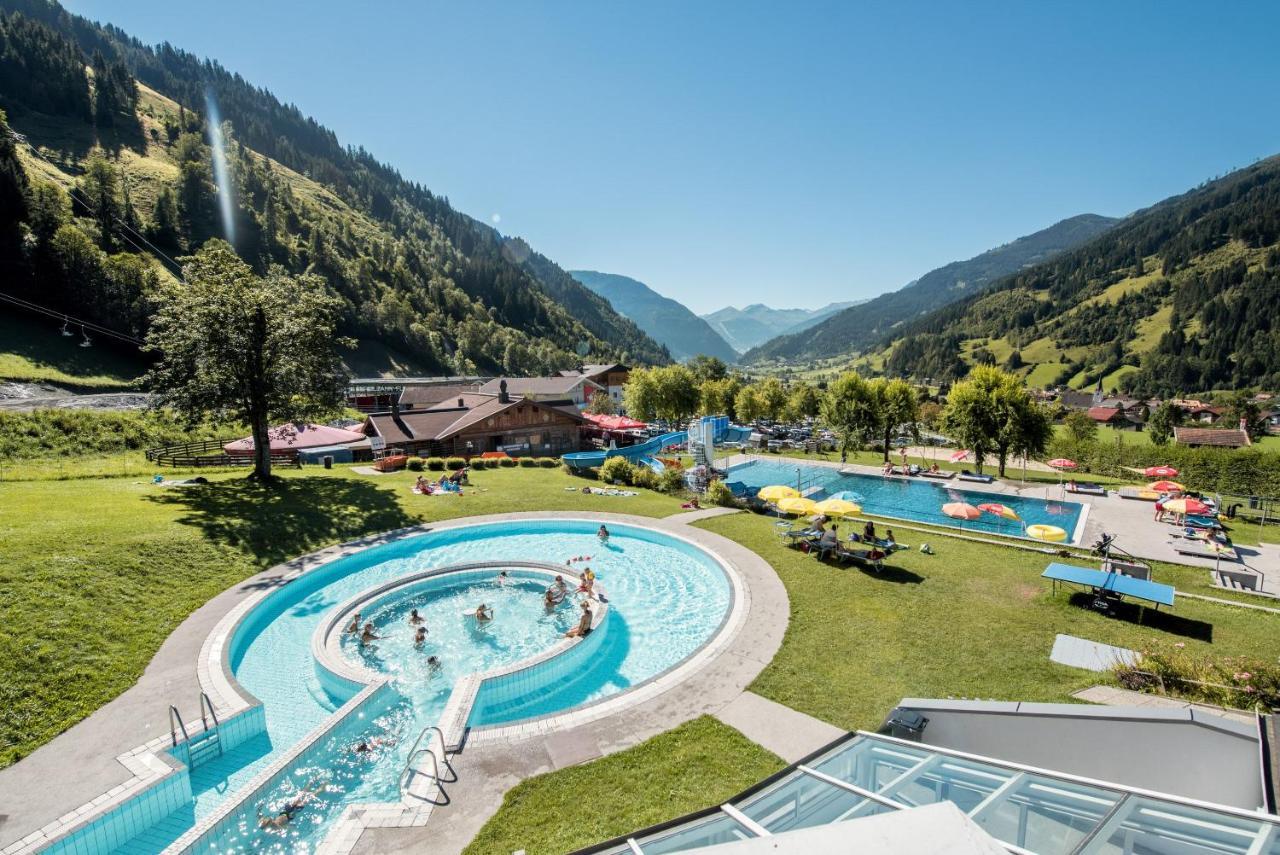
[{"x": 327, "y": 460}]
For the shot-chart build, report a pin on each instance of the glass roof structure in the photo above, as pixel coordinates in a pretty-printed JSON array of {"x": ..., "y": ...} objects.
[{"x": 1028, "y": 810}]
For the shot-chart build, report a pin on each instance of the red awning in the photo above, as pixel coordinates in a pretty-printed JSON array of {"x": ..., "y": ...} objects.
[
  {"x": 291, "y": 437},
  {"x": 613, "y": 422}
]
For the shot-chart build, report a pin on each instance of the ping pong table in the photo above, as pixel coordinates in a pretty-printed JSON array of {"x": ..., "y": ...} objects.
[{"x": 1110, "y": 583}]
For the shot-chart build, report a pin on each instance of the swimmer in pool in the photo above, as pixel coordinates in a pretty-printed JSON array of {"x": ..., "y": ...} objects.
[
  {"x": 292, "y": 807},
  {"x": 603, "y": 533},
  {"x": 504, "y": 579},
  {"x": 368, "y": 634},
  {"x": 434, "y": 664},
  {"x": 366, "y": 746},
  {"x": 415, "y": 618},
  {"x": 420, "y": 637},
  {"x": 354, "y": 626},
  {"x": 483, "y": 614}
]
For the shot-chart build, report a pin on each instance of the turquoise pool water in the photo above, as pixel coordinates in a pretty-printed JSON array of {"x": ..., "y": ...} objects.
[
  {"x": 666, "y": 599},
  {"x": 916, "y": 499}
]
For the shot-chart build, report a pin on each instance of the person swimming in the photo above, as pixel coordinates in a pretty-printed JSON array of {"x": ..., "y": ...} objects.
[
  {"x": 415, "y": 618},
  {"x": 603, "y": 533},
  {"x": 420, "y": 637},
  {"x": 434, "y": 665},
  {"x": 584, "y": 623},
  {"x": 368, "y": 634},
  {"x": 292, "y": 807},
  {"x": 366, "y": 745},
  {"x": 354, "y": 626},
  {"x": 483, "y": 614},
  {"x": 504, "y": 579}
]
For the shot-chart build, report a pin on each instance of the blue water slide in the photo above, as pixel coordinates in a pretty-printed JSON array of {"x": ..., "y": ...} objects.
[
  {"x": 653, "y": 463},
  {"x": 633, "y": 453}
]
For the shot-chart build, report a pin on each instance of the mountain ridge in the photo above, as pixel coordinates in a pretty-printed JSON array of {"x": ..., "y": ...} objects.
[
  {"x": 756, "y": 323},
  {"x": 666, "y": 321},
  {"x": 854, "y": 329}
]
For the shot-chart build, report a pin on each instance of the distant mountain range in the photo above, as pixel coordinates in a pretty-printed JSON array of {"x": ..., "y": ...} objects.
[
  {"x": 854, "y": 329},
  {"x": 663, "y": 319},
  {"x": 754, "y": 325}
]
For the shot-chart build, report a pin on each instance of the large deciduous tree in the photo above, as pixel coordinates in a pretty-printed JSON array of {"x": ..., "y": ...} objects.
[
  {"x": 849, "y": 410},
  {"x": 993, "y": 413},
  {"x": 257, "y": 349},
  {"x": 1080, "y": 425},
  {"x": 1162, "y": 422},
  {"x": 896, "y": 406}
]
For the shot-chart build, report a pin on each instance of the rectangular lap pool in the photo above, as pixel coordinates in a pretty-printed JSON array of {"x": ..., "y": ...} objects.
[{"x": 910, "y": 499}]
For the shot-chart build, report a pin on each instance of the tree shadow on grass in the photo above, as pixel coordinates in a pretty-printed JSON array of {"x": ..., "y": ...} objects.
[
  {"x": 290, "y": 518},
  {"x": 1151, "y": 618}
]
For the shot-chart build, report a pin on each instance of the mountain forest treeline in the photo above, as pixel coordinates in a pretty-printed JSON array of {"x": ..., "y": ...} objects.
[{"x": 416, "y": 277}]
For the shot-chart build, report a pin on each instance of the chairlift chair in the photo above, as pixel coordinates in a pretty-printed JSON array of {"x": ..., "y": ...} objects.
[{"x": 88, "y": 342}]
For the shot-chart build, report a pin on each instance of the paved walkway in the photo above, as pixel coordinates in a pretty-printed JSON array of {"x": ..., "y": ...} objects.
[
  {"x": 687, "y": 517},
  {"x": 1114, "y": 696},
  {"x": 790, "y": 734}
]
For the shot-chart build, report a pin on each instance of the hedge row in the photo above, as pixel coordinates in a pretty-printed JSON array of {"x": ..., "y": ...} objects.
[
  {"x": 440, "y": 464},
  {"x": 1242, "y": 471}
]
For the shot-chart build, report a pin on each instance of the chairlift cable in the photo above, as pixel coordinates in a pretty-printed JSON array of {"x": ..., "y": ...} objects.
[{"x": 70, "y": 319}]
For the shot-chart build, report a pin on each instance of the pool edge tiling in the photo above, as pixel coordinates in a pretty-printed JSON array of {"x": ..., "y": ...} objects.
[{"x": 216, "y": 677}]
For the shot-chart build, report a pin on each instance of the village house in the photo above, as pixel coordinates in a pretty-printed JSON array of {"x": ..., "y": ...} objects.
[
  {"x": 611, "y": 376},
  {"x": 574, "y": 389},
  {"x": 471, "y": 423}
]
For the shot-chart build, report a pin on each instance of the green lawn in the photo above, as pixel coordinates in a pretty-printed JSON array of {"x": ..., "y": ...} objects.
[
  {"x": 698, "y": 764},
  {"x": 98, "y": 572}
]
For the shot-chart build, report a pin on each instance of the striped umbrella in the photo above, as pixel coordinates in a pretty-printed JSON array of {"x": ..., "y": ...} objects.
[
  {"x": 1186, "y": 506},
  {"x": 1062, "y": 463}
]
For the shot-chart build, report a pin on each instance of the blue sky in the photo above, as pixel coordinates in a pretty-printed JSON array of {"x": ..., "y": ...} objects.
[{"x": 792, "y": 154}]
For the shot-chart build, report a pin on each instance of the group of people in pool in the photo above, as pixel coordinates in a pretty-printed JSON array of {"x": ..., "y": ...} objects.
[{"x": 368, "y": 634}]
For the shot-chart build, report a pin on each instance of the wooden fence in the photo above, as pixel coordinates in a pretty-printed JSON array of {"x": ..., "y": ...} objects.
[{"x": 209, "y": 452}]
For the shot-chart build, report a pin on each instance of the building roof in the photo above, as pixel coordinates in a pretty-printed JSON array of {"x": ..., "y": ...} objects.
[
  {"x": 1105, "y": 414},
  {"x": 1076, "y": 400},
  {"x": 421, "y": 397},
  {"x": 447, "y": 418},
  {"x": 292, "y": 437},
  {"x": 536, "y": 385},
  {"x": 1224, "y": 437},
  {"x": 594, "y": 369}
]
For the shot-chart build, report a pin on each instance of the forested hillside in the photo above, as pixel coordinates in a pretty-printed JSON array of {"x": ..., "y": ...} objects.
[
  {"x": 1180, "y": 297},
  {"x": 856, "y": 328},
  {"x": 667, "y": 321},
  {"x": 120, "y": 149}
]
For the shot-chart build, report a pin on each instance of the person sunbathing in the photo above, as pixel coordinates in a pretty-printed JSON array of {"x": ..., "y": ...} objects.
[
  {"x": 584, "y": 623},
  {"x": 422, "y": 485},
  {"x": 933, "y": 469}
]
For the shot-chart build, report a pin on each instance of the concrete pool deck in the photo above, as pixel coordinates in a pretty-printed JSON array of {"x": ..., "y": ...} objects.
[{"x": 58, "y": 781}]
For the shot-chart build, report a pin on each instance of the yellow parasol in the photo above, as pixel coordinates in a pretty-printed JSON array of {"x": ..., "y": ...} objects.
[
  {"x": 775, "y": 492},
  {"x": 837, "y": 508},
  {"x": 795, "y": 505}
]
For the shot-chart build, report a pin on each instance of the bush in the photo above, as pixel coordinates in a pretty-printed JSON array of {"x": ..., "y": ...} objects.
[
  {"x": 416, "y": 464},
  {"x": 435, "y": 464},
  {"x": 528, "y": 462},
  {"x": 643, "y": 476},
  {"x": 719, "y": 494},
  {"x": 548, "y": 462},
  {"x": 1234, "y": 681},
  {"x": 1243, "y": 471},
  {"x": 671, "y": 480},
  {"x": 617, "y": 470},
  {"x": 454, "y": 463},
  {"x": 507, "y": 462}
]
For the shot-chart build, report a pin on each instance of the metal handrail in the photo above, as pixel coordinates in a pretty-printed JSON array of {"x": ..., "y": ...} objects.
[
  {"x": 205, "y": 702},
  {"x": 435, "y": 762},
  {"x": 173, "y": 732}
]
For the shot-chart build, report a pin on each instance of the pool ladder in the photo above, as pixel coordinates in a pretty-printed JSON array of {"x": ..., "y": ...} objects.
[
  {"x": 205, "y": 745},
  {"x": 410, "y": 774}
]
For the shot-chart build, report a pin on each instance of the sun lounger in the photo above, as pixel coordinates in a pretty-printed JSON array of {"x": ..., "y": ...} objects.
[
  {"x": 861, "y": 557},
  {"x": 1138, "y": 493},
  {"x": 1201, "y": 548},
  {"x": 945, "y": 475},
  {"x": 966, "y": 475},
  {"x": 1203, "y": 522},
  {"x": 1087, "y": 488}
]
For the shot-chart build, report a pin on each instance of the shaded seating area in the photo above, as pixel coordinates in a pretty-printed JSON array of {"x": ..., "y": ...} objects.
[{"x": 1110, "y": 587}]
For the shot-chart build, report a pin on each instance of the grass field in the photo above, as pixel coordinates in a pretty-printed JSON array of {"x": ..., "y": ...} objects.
[{"x": 697, "y": 764}]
